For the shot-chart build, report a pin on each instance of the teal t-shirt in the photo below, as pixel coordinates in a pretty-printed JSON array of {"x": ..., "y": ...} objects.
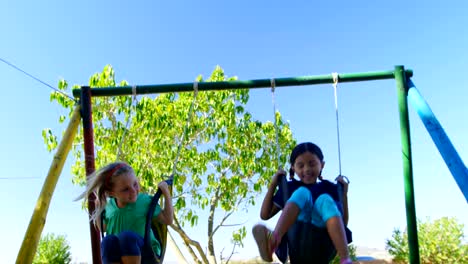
[{"x": 132, "y": 217}]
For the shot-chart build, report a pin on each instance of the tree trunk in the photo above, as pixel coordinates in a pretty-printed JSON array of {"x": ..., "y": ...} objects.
[{"x": 211, "y": 250}]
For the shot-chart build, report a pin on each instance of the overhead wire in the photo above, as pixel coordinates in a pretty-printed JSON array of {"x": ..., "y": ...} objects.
[
  {"x": 44, "y": 83},
  {"x": 18, "y": 178},
  {"x": 37, "y": 79}
]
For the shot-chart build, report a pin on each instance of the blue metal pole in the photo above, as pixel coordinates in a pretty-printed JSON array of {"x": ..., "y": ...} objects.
[{"x": 440, "y": 138}]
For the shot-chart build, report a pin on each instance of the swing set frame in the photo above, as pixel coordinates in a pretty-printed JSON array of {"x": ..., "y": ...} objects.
[{"x": 405, "y": 89}]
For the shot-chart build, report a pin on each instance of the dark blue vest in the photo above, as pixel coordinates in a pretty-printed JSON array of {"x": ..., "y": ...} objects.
[
  {"x": 304, "y": 242},
  {"x": 317, "y": 189}
]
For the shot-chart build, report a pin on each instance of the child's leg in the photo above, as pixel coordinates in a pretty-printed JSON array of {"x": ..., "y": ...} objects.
[
  {"x": 267, "y": 240},
  {"x": 301, "y": 198},
  {"x": 110, "y": 249},
  {"x": 338, "y": 236},
  {"x": 131, "y": 259},
  {"x": 286, "y": 220},
  {"x": 131, "y": 245},
  {"x": 330, "y": 217}
]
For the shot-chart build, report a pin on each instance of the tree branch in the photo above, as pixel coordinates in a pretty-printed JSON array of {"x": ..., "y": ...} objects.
[
  {"x": 226, "y": 216},
  {"x": 189, "y": 242}
]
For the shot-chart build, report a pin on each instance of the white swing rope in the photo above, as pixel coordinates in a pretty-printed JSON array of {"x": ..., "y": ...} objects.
[
  {"x": 278, "y": 152},
  {"x": 335, "y": 89},
  {"x": 133, "y": 104},
  {"x": 174, "y": 165},
  {"x": 134, "y": 99},
  {"x": 335, "y": 86},
  {"x": 187, "y": 123}
]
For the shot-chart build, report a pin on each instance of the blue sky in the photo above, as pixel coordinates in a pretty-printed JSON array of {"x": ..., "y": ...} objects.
[{"x": 154, "y": 42}]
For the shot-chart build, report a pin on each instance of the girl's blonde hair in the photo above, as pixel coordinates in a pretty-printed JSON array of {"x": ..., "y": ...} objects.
[{"x": 100, "y": 183}]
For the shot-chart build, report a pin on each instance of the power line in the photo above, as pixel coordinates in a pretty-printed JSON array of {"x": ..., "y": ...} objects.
[
  {"x": 37, "y": 79},
  {"x": 18, "y": 178}
]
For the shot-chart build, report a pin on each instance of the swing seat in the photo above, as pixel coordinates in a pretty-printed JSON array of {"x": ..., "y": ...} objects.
[
  {"x": 305, "y": 242},
  {"x": 160, "y": 233},
  {"x": 159, "y": 230}
]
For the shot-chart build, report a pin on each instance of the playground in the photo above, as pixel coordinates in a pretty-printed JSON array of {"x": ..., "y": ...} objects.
[{"x": 392, "y": 125}]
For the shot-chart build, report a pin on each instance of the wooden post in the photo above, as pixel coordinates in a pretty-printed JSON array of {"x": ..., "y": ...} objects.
[{"x": 38, "y": 219}]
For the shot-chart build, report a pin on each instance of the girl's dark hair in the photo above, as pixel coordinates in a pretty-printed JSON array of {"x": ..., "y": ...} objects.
[{"x": 301, "y": 149}]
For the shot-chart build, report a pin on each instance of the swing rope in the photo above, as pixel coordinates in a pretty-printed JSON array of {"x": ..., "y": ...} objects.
[
  {"x": 303, "y": 234},
  {"x": 278, "y": 152},
  {"x": 182, "y": 138},
  {"x": 155, "y": 199},
  {"x": 187, "y": 123},
  {"x": 133, "y": 105},
  {"x": 335, "y": 87}
]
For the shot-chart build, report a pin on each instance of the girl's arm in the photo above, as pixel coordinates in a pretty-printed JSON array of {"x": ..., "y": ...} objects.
[
  {"x": 167, "y": 213},
  {"x": 269, "y": 209}
]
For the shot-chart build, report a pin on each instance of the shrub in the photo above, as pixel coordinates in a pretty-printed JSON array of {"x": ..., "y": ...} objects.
[
  {"x": 52, "y": 249},
  {"x": 440, "y": 241}
]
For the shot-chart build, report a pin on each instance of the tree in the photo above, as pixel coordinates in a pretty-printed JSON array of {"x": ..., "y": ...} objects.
[
  {"x": 440, "y": 241},
  {"x": 226, "y": 158},
  {"x": 52, "y": 249}
]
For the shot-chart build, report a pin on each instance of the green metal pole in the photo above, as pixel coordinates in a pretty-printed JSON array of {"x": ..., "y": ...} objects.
[
  {"x": 250, "y": 84},
  {"x": 411, "y": 219}
]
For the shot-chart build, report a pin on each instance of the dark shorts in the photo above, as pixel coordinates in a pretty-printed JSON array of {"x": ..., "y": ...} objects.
[{"x": 127, "y": 243}]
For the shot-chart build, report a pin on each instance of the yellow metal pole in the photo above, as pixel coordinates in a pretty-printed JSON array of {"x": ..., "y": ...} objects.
[{"x": 36, "y": 224}]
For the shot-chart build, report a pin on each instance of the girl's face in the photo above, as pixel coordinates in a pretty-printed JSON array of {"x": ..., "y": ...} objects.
[
  {"x": 308, "y": 167},
  {"x": 125, "y": 190}
]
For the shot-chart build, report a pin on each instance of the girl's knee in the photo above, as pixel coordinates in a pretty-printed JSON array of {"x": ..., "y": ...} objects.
[
  {"x": 109, "y": 241},
  {"x": 110, "y": 249},
  {"x": 325, "y": 198},
  {"x": 326, "y": 202},
  {"x": 130, "y": 243},
  {"x": 327, "y": 207}
]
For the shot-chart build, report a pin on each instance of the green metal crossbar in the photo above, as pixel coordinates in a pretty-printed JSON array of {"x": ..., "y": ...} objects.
[
  {"x": 251, "y": 84},
  {"x": 399, "y": 74}
]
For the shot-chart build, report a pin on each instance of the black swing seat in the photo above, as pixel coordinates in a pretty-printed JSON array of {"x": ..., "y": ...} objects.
[
  {"x": 159, "y": 231},
  {"x": 305, "y": 242}
]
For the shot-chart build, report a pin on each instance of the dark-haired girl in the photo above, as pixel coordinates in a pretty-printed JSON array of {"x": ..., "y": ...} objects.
[{"x": 322, "y": 211}]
